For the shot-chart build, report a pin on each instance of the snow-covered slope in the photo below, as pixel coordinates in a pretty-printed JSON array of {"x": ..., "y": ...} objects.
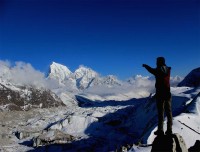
[
  {"x": 192, "y": 79},
  {"x": 187, "y": 123},
  {"x": 194, "y": 106}
]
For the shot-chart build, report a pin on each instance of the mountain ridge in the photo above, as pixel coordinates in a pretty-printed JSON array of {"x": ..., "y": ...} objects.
[
  {"x": 192, "y": 79},
  {"x": 82, "y": 78}
]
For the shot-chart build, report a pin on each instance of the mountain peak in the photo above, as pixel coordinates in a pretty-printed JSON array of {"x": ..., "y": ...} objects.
[
  {"x": 85, "y": 71},
  {"x": 83, "y": 67},
  {"x": 59, "y": 71}
]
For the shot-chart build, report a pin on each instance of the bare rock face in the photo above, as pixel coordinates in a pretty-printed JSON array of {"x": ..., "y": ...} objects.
[
  {"x": 169, "y": 143},
  {"x": 52, "y": 137}
]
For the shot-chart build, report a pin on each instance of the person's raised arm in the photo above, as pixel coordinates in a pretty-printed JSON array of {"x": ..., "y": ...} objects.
[{"x": 151, "y": 70}]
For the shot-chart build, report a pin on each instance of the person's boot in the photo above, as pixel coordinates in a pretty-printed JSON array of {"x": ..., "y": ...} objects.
[{"x": 159, "y": 133}]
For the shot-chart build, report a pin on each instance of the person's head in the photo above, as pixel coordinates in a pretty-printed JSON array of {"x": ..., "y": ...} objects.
[{"x": 160, "y": 61}]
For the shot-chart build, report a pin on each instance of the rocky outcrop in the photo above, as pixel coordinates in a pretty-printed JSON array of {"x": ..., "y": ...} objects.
[
  {"x": 46, "y": 137},
  {"x": 52, "y": 137},
  {"x": 26, "y": 98},
  {"x": 169, "y": 143},
  {"x": 196, "y": 147},
  {"x": 26, "y": 134}
]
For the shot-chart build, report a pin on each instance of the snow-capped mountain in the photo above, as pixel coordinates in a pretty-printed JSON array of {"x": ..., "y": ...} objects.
[
  {"x": 82, "y": 78},
  {"x": 59, "y": 72},
  {"x": 83, "y": 71},
  {"x": 111, "y": 80},
  {"x": 108, "y": 81},
  {"x": 192, "y": 79}
]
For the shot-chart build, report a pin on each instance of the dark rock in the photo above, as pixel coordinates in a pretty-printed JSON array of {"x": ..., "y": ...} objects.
[
  {"x": 169, "y": 143},
  {"x": 196, "y": 147}
]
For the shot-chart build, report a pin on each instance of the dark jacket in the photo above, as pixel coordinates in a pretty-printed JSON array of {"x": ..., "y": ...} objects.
[{"x": 162, "y": 75}]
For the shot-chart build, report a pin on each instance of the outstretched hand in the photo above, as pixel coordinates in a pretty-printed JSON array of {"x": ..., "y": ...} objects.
[{"x": 144, "y": 65}]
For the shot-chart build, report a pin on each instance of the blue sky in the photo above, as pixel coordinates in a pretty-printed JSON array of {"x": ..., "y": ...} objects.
[{"x": 109, "y": 36}]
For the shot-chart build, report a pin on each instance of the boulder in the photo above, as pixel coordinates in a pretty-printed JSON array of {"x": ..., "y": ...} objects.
[
  {"x": 26, "y": 134},
  {"x": 169, "y": 143}
]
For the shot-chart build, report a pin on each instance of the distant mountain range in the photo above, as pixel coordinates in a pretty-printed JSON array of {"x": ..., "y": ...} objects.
[
  {"x": 82, "y": 78},
  {"x": 63, "y": 85}
]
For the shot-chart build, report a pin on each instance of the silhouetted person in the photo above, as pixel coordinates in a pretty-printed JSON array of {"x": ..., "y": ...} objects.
[{"x": 163, "y": 95}]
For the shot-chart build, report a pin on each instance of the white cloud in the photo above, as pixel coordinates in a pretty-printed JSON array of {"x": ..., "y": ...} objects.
[
  {"x": 5, "y": 63},
  {"x": 137, "y": 87},
  {"x": 174, "y": 81},
  {"x": 24, "y": 74}
]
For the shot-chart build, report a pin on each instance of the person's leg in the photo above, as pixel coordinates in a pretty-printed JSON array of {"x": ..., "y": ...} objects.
[
  {"x": 168, "y": 111},
  {"x": 160, "y": 108}
]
